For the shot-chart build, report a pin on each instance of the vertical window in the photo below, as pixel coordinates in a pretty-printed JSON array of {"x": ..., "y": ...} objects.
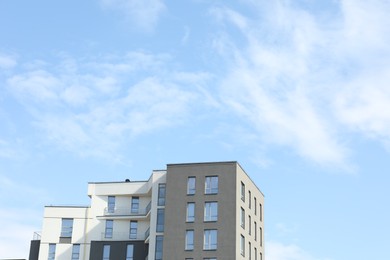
[
  {"x": 109, "y": 228},
  {"x": 191, "y": 185},
  {"x": 133, "y": 229},
  {"x": 52, "y": 252},
  {"x": 134, "y": 205},
  {"x": 67, "y": 227},
  {"x": 249, "y": 224},
  {"x": 189, "y": 240},
  {"x": 255, "y": 202},
  {"x": 190, "y": 212},
  {"x": 161, "y": 194},
  {"x": 261, "y": 212},
  {"x": 250, "y": 250},
  {"x": 261, "y": 236},
  {"x": 255, "y": 253},
  {"x": 210, "y": 239},
  {"x": 211, "y": 185},
  {"x": 242, "y": 191},
  {"x": 76, "y": 252},
  {"x": 255, "y": 231},
  {"x": 242, "y": 245},
  {"x": 261, "y": 256},
  {"x": 106, "y": 252},
  {"x": 129, "y": 252},
  {"x": 242, "y": 218},
  {"x": 159, "y": 248},
  {"x": 211, "y": 211},
  {"x": 160, "y": 220},
  {"x": 111, "y": 204},
  {"x": 250, "y": 199}
]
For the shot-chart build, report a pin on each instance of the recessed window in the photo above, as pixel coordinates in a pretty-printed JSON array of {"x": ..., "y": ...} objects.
[
  {"x": 67, "y": 227},
  {"x": 76, "y": 252},
  {"x": 255, "y": 253},
  {"x": 111, "y": 204},
  {"x": 159, "y": 248},
  {"x": 261, "y": 236},
  {"x": 242, "y": 248},
  {"x": 210, "y": 239},
  {"x": 106, "y": 252},
  {"x": 242, "y": 218},
  {"x": 249, "y": 224},
  {"x": 161, "y": 194},
  {"x": 211, "y": 211},
  {"x": 133, "y": 229},
  {"x": 52, "y": 252},
  {"x": 250, "y": 250},
  {"x": 160, "y": 220},
  {"x": 211, "y": 185},
  {"x": 190, "y": 212},
  {"x": 135, "y": 205},
  {"x": 255, "y": 231},
  {"x": 189, "y": 240},
  {"x": 261, "y": 212},
  {"x": 242, "y": 191},
  {"x": 250, "y": 199},
  {"x": 255, "y": 202},
  {"x": 191, "y": 182},
  {"x": 129, "y": 252},
  {"x": 109, "y": 228},
  {"x": 261, "y": 256}
]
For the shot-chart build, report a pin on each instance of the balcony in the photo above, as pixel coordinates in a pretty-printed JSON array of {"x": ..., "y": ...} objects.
[
  {"x": 118, "y": 236},
  {"x": 37, "y": 235},
  {"x": 128, "y": 212}
]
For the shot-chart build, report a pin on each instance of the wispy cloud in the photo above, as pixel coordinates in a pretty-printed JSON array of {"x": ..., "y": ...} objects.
[
  {"x": 297, "y": 76},
  {"x": 7, "y": 61},
  {"x": 143, "y": 13}
]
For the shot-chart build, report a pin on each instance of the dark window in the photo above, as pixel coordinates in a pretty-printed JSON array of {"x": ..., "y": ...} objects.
[
  {"x": 135, "y": 205},
  {"x": 159, "y": 248},
  {"x": 242, "y": 191},
  {"x": 160, "y": 220},
  {"x": 111, "y": 204},
  {"x": 161, "y": 194}
]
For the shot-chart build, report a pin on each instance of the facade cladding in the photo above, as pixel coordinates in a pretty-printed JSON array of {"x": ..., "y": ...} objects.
[{"x": 192, "y": 211}]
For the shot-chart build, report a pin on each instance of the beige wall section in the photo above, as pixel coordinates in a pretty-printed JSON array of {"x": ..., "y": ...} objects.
[{"x": 177, "y": 199}]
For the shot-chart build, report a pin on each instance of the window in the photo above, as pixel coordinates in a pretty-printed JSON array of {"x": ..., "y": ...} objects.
[
  {"x": 52, "y": 252},
  {"x": 261, "y": 212},
  {"x": 261, "y": 236},
  {"x": 106, "y": 252},
  {"x": 129, "y": 252},
  {"x": 250, "y": 199},
  {"x": 242, "y": 245},
  {"x": 133, "y": 229},
  {"x": 134, "y": 205},
  {"x": 211, "y": 211},
  {"x": 161, "y": 194},
  {"x": 255, "y": 202},
  {"x": 261, "y": 256},
  {"x": 250, "y": 250},
  {"x": 211, "y": 185},
  {"x": 255, "y": 231},
  {"x": 76, "y": 252},
  {"x": 160, "y": 220},
  {"x": 191, "y": 185},
  {"x": 210, "y": 239},
  {"x": 67, "y": 227},
  {"x": 255, "y": 253},
  {"x": 111, "y": 204},
  {"x": 249, "y": 224},
  {"x": 242, "y": 218},
  {"x": 242, "y": 191},
  {"x": 159, "y": 248},
  {"x": 109, "y": 228},
  {"x": 189, "y": 240},
  {"x": 190, "y": 212}
]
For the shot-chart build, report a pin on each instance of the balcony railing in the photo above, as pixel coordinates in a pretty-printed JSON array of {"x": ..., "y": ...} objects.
[
  {"x": 127, "y": 211},
  {"x": 37, "y": 235},
  {"x": 121, "y": 236},
  {"x": 147, "y": 233}
]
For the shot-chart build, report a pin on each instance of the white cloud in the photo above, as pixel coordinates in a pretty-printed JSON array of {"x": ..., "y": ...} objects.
[
  {"x": 279, "y": 251},
  {"x": 144, "y": 13},
  {"x": 7, "y": 61}
]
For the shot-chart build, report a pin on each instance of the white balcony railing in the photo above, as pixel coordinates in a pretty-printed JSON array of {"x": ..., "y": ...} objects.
[
  {"x": 120, "y": 236},
  {"x": 127, "y": 211}
]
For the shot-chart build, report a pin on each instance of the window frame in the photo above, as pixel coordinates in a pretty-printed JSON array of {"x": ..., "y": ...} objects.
[
  {"x": 135, "y": 204},
  {"x": 188, "y": 239},
  {"x": 106, "y": 252},
  {"x": 109, "y": 228},
  {"x": 210, "y": 213},
  {"x": 211, "y": 185},
  {"x": 111, "y": 204},
  {"x": 76, "y": 252},
  {"x": 133, "y": 232},
  {"x": 191, "y": 185},
  {"x": 161, "y": 194},
  {"x": 190, "y": 212},
  {"x": 129, "y": 254},
  {"x": 51, "y": 252},
  {"x": 210, "y": 239},
  {"x": 66, "y": 230},
  {"x": 160, "y": 220}
]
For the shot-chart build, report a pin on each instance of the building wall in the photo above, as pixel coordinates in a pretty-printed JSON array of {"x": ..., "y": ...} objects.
[{"x": 118, "y": 249}]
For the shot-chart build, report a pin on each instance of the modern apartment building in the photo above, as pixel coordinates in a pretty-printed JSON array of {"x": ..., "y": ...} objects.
[{"x": 190, "y": 211}]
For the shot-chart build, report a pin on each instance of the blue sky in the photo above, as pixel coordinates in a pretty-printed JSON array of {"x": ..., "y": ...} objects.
[{"x": 296, "y": 91}]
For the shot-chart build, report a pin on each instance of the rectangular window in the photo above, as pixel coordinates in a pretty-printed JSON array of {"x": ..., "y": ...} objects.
[
  {"x": 159, "y": 248},
  {"x": 189, "y": 240},
  {"x": 76, "y": 252},
  {"x": 190, "y": 212},
  {"x": 249, "y": 224},
  {"x": 67, "y": 227},
  {"x": 261, "y": 256},
  {"x": 52, "y": 252},
  {"x": 261, "y": 236},
  {"x": 242, "y": 191},
  {"x": 250, "y": 199},
  {"x": 255, "y": 202},
  {"x": 109, "y": 228},
  {"x": 242, "y": 245},
  {"x": 211, "y": 185},
  {"x": 111, "y": 204},
  {"x": 135, "y": 205},
  {"x": 250, "y": 250},
  {"x": 242, "y": 218},
  {"x": 255, "y": 231},
  {"x": 255, "y": 253},
  {"x": 160, "y": 220},
  {"x": 211, "y": 211},
  {"x": 106, "y": 252},
  {"x": 133, "y": 229},
  {"x": 161, "y": 194},
  {"x": 261, "y": 212},
  {"x": 129, "y": 252},
  {"x": 191, "y": 182},
  {"x": 210, "y": 239}
]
